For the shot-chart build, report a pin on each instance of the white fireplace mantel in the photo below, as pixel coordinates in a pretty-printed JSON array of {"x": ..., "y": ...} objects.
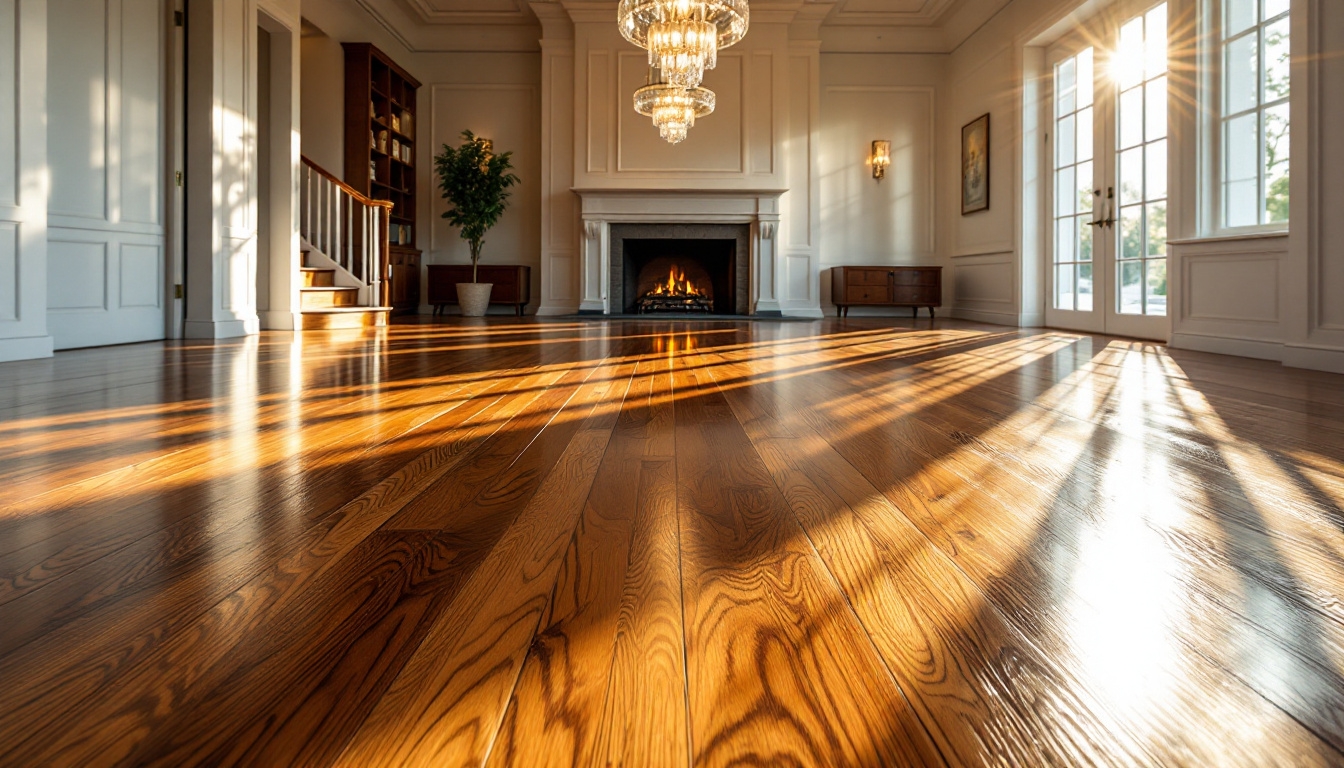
[{"x": 600, "y": 208}]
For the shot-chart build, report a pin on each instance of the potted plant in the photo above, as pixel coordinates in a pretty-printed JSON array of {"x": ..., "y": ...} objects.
[{"x": 475, "y": 182}]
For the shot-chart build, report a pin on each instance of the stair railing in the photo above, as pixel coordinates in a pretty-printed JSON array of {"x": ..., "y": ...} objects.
[{"x": 350, "y": 228}]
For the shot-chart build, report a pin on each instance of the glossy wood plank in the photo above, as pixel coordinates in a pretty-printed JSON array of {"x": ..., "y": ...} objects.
[
  {"x": 693, "y": 543},
  {"x": 775, "y": 658},
  {"x": 445, "y": 707}
]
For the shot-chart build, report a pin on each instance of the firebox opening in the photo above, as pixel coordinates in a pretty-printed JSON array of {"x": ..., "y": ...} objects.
[{"x": 679, "y": 275}]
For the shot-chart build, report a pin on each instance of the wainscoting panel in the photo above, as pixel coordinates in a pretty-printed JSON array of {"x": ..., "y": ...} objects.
[{"x": 714, "y": 145}]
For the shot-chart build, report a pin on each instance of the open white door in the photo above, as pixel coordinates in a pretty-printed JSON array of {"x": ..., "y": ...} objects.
[{"x": 1108, "y": 215}]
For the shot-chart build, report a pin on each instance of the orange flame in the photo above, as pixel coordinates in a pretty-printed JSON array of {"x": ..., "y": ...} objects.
[{"x": 676, "y": 285}]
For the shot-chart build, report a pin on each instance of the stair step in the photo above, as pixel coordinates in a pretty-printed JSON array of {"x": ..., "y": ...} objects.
[
  {"x": 343, "y": 317},
  {"x": 318, "y": 277},
  {"x": 324, "y": 297}
]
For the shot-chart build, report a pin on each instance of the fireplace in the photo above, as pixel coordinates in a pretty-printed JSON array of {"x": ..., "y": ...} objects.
[{"x": 685, "y": 269}]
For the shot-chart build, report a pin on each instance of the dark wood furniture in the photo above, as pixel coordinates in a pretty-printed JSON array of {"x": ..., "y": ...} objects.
[
  {"x": 913, "y": 287},
  {"x": 380, "y": 155},
  {"x": 513, "y": 284}
]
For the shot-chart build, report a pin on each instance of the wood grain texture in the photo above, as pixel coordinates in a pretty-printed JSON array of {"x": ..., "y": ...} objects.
[
  {"x": 774, "y": 655},
  {"x": 508, "y": 542}
]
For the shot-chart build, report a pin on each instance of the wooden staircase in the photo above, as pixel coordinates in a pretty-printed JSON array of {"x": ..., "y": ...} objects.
[
  {"x": 345, "y": 242},
  {"x": 325, "y": 305}
]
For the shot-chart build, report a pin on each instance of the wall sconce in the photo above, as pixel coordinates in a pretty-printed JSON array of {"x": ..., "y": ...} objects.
[{"x": 880, "y": 158}]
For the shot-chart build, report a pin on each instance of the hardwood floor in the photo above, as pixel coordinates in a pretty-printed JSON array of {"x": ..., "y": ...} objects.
[{"x": 854, "y": 542}]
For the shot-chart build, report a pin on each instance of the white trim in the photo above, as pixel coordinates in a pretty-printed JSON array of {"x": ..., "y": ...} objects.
[
  {"x": 26, "y": 348},
  {"x": 1227, "y": 345},
  {"x": 980, "y": 316}
]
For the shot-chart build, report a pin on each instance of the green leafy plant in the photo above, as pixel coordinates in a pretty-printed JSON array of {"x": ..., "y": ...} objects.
[{"x": 475, "y": 182}]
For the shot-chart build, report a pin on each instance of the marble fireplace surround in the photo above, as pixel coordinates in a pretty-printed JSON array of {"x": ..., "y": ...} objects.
[{"x": 695, "y": 213}]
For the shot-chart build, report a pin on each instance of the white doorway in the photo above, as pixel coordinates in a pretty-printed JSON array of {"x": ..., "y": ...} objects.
[{"x": 1107, "y": 180}]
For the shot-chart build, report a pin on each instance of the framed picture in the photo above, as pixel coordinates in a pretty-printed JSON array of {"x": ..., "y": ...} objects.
[{"x": 975, "y": 165}]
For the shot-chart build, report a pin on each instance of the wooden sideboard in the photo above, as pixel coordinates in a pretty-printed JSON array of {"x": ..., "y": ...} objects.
[
  {"x": 913, "y": 287},
  {"x": 513, "y": 284}
]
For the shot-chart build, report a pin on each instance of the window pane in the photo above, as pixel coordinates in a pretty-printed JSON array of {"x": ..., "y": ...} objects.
[
  {"x": 1241, "y": 196},
  {"x": 1131, "y": 287},
  {"x": 1276, "y": 163},
  {"x": 1085, "y": 134},
  {"x": 1155, "y": 118},
  {"x": 1085, "y": 287},
  {"x": 1064, "y": 286},
  {"x": 1085, "y": 78},
  {"x": 1275, "y": 7},
  {"x": 1241, "y": 73},
  {"x": 1064, "y": 144},
  {"x": 1239, "y": 200},
  {"x": 1131, "y": 117},
  {"x": 1131, "y": 176},
  {"x": 1083, "y": 194},
  {"x": 1276, "y": 61},
  {"x": 1156, "y": 168},
  {"x": 1155, "y": 46},
  {"x": 1064, "y": 186},
  {"x": 1065, "y": 82},
  {"x": 1084, "y": 238},
  {"x": 1238, "y": 15},
  {"x": 1128, "y": 62},
  {"x": 1131, "y": 232},
  {"x": 1157, "y": 286},
  {"x": 1157, "y": 230},
  {"x": 1064, "y": 240}
]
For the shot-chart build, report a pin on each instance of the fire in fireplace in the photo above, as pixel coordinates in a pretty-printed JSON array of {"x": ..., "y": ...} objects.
[
  {"x": 688, "y": 269},
  {"x": 677, "y": 293}
]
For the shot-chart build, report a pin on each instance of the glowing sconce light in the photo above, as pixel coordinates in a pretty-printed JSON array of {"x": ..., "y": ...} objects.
[{"x": 880, "y": 158}]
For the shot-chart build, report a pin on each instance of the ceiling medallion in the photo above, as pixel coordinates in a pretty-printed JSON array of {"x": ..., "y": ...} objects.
[
  {"x": 673, "y": 108},
  {"x": 683, "y": 38}
]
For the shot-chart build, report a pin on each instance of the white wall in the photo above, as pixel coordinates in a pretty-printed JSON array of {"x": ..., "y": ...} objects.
[
  {"x": 23, "y": 190},
  {"x": 895, "y": 97},
  {"x": 498, "y": 96},
  {"x": 322, "y": 70},
  {"x": 983, "y": 265}
]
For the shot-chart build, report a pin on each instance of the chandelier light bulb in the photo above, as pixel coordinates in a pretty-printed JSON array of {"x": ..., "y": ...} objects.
[
  {"x": 673, "y": 109},
  {"x": 683, "y": 37}
]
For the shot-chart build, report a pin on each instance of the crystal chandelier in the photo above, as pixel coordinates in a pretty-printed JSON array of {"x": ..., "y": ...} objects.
[
  {"x": 673, "y": 108},
  {"x": 683, "y": 37}
]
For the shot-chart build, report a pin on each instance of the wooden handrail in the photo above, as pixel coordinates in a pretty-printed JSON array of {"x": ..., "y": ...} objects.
[
  {"x": 350, "y": 228},
  {"x": 349, "y": 190}
]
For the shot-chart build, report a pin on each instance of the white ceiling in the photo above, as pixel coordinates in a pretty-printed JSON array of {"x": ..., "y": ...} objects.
[{"x": 427, "y": 25}]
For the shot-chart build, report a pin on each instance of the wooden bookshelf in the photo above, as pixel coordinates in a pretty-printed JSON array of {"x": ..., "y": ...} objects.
[{"x": 381, "y": 155}]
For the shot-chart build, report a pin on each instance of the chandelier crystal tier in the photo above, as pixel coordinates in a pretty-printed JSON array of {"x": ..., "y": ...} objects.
[
  {"x": 683, "y": 37},
  {"x": 673, "y": 108}
]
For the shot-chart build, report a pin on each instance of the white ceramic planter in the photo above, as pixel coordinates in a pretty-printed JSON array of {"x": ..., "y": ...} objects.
[{"x": 474, "y": 298}]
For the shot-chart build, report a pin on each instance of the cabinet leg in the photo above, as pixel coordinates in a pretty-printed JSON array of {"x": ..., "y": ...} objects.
[
  {"x": 914, "y": 312},
  {"x": 932, "y": 313}
]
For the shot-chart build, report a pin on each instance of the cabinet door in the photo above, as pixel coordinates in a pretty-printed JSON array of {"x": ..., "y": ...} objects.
[
  {"x": 865, "y": 276},
  {"x": 868, "y": 294},
  {"x": 916, "y": 277}
]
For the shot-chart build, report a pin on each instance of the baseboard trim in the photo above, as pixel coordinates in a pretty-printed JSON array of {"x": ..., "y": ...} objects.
[
  {"x": 27, "y": 348},
  {"x": 277, "y": 320},
  {"x": 993, "y": 318},
  {"x": 1328, "y": 359},
  {"x": 215, "y": 329},
  {"x": 1226, "y": 345},
  {"x": 812, "y": 313}
]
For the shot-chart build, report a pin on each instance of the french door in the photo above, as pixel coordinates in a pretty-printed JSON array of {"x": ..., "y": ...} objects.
[{"x": 1108, "y": 180}]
